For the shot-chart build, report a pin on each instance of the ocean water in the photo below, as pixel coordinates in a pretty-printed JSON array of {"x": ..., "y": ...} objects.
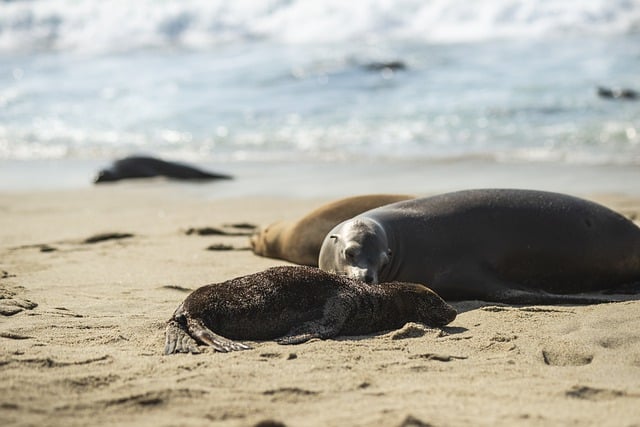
[{"x": 486, "y": 90}]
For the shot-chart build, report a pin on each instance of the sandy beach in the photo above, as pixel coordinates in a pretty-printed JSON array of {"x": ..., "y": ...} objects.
[
  {"x": 107, "y": 267},
  {"x": 302, "y": 103}
]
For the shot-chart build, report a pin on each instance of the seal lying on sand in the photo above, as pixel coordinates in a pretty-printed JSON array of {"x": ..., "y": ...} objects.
[
  {"x": 300, "y": 241},
  {"x": 512, "y": 246},
  {"x": 296, "y": 304},
  {"x": 149, "y": 167}
]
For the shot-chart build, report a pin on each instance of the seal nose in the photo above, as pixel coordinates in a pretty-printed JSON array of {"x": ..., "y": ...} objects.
[
  {"x": 371, "y": 277},
  {"x": 362, "y": 274}
]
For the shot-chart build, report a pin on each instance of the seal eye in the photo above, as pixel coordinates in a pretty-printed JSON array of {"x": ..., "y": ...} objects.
[
  {"x": 384, "y": 259},
  {"x": 350, "y": 253}
]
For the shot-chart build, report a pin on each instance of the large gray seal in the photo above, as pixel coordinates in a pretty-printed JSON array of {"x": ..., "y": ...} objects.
[
  {"x": 512, "y": 246},
  {"x": 296, "y": 304},
  {"x": 299, "y": 241},
  {"x": 148, "y": 167}
]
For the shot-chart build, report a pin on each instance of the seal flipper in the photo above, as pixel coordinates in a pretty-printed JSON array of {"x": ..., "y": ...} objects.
[
  {"x": 334, "y": 315},
  {"x": 206, "y": 336},
  {"x": 471, "y": 280},
  {"x": 308, "y": 331},
  {"x": 534, "y": 297},
  {"x": 177, "y": 340},
  {"x": 487, "y": 287}
]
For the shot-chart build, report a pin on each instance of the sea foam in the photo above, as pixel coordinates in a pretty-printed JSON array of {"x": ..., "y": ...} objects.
[{"x": 117, "y": 25}]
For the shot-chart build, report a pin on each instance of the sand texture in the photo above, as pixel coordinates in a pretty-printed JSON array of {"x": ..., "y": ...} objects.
[{"x": 88, "y": 279}]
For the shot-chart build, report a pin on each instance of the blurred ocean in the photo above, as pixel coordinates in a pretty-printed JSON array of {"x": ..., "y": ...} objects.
[{"x": 477, "y": 87}]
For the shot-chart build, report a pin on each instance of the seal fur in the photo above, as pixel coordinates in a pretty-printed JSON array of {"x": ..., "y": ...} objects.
[
  {"x": 294, "y": 305},
  {"x": 512, "y": 246},
  {"x": 300, "y": 241}
]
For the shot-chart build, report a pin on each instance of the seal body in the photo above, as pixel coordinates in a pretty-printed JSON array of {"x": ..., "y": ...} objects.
[
  {"x": 296, "y": 304},
  {"x": 518, "y": 246},
  {"x": 618, "y": 93},
  {"x": 300, "y": 241},
  {"x": 149, "y": 167}
]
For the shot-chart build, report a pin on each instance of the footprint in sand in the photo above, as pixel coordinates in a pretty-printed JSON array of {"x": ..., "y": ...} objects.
[
  {"x": 240, "y": 229},
  {"x": 566, "y": 354},
  {"x": 269, "y": 423},
  {"x": 97, "y": 238},
  {"x": 437, "y": 357},
  {"x": 6, "y": 275},
  {"x": 151, "y": 398},
  {"x": 594, "y": 394},
  {"x": 224, "y": 247},
  {"x": 103, "y": 237},
  {"x": 618, "y": 341},
  {"x": 83, "y": 383},
  {"x": 289, "y": 394},
  {"x": 233, "y": 230},
  {"x": 413, "y": 330},
  {"x": 411, "y": 421},
  {"x": 10, "y": 304},
  {"x": 176, "y": 288}
]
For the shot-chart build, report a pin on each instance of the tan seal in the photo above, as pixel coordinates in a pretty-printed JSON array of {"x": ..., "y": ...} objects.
[
  {"x": 294, "y": 305},
  {"x": 299, "y": 241}
]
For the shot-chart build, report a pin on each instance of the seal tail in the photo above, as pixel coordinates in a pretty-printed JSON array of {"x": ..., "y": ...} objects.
[{"x": 206, "y": 336}]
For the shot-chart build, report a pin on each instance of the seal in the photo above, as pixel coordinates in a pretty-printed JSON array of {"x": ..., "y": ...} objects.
[
  {"x": 385, "y": 65},
  {"x": 512, "y": 246},
  {"x": 149, "y": 167},
  {"x": 296, "y": 304},
  {"x": 618, "y": 93},
  {"x": 299, "y": 241}
]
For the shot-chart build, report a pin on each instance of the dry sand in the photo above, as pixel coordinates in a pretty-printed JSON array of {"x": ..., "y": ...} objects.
[{"x": 90, "y": 352}]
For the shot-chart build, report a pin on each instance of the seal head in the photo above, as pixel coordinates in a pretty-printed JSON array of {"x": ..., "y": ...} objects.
[
  {"x": 270, "y": 241},
  {"x": 358, "y": 248},
  {"x": 300, "y": 241}
]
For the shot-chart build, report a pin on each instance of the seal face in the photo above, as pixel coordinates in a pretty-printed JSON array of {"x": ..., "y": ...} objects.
[
  {"x": 361, "y": 250},
  {"x": 149, "y": 167},
  {"x": 300, "y": 241},
  {"x": 294, "y": 305},
  {"x": 518, "y": 246}
]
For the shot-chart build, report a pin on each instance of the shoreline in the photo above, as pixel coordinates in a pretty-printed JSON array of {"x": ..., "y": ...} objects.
[{"x": 331, "y": 179}]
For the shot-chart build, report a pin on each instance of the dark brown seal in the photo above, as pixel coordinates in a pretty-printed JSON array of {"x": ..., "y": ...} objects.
[
  {"x": 300, "y": 241},
  {"x": 513, "y": 246},
  {"x": 149, "y": 167},
  {"x": 294, "y": 305},
  {"x": 618, "y": 93}
]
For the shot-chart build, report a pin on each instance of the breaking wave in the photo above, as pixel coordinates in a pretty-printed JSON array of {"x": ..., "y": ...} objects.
[{"x": 96, "y": 26}]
